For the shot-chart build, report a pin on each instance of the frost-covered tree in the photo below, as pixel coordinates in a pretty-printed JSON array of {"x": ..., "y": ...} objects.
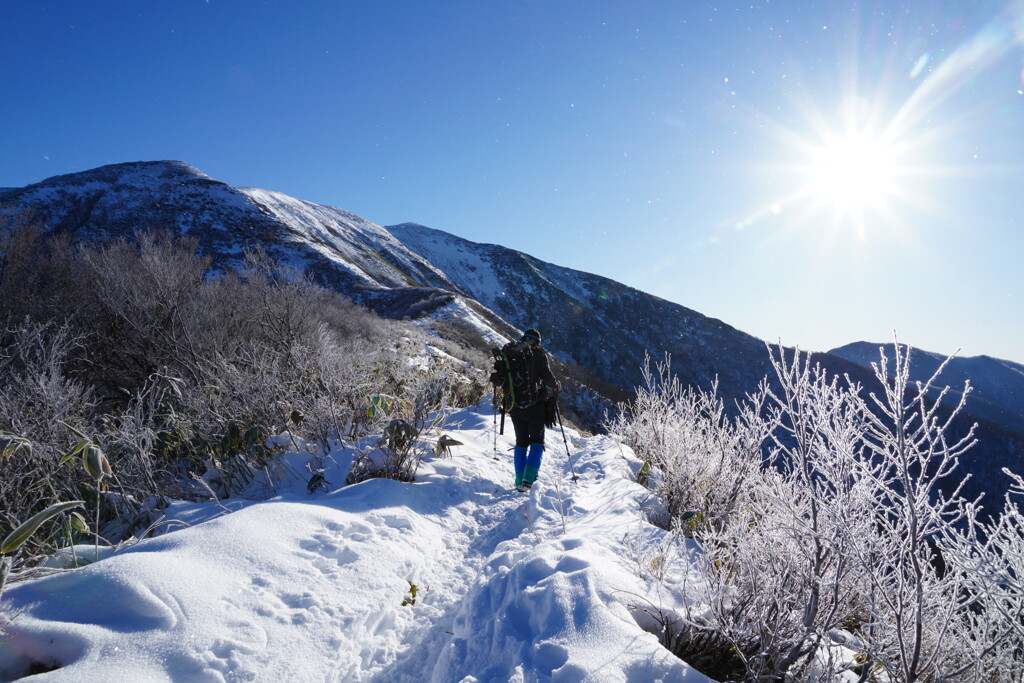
[
  {"x": 911, "y": 601},
  {"x": 780, "y": 577},
  {"x": 989, "y": 554},
  {"x": 851, "y": 554}
]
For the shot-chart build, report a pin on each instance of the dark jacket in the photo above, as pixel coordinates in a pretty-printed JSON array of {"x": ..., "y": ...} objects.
[
  {"x": 542, "y": 381},
  {"x": 523, "y": 375},
  {"x": 546, "y": 384}
]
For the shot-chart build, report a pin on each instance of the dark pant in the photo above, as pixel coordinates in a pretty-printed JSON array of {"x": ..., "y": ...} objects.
[{"x": 529, "y": 424}]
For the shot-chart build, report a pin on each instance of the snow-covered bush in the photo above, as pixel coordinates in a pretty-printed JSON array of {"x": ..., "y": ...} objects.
[
  {"x": 39, "y": 393},
  {"x": 179, "y": 373},
  {"x": 989, "y": 553},
  {"x": 841, "y": 556},
  {"x": 38, "y": 402},
  {"x": 425, "y": 392},
  {"x": 907, "y": 456},
  {"x": 704, "y": 459}
]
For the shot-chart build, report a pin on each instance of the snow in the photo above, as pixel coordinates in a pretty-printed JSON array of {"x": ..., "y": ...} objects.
[
  {"x": 462, "y": 261},
  {"x": 459, "y": 310},
  {"x": 473, "y": 268},
  {"x": 310, "y": 587},
  {"x": 334, "y": 232}
]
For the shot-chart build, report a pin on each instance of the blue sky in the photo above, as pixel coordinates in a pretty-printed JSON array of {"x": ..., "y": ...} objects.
[{"x": 819, "y": 172}]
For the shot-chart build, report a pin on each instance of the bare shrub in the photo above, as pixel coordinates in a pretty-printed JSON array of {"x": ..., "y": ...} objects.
[
  {"x": 21, "y": 253},
  {"x": 285, "y": 306},
  {"x": 179, "y": 377},
  {"x": 37, "y": 404},
  {"x": 146, "y": 293},
  {"x": 40, "y": 279}
]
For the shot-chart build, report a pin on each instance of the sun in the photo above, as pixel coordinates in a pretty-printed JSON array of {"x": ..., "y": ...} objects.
[
  {"x": 853, "y": 172},
  {"x": 858, "y": 171},
  {"x": 872, "y": 160}
]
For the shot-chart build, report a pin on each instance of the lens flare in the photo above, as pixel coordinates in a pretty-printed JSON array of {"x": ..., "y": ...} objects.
[{"x": 919, "y": 66}]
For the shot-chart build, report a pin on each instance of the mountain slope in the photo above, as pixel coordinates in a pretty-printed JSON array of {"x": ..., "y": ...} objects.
[
  {"x": 408, "y": 270},
  {"x": 592, "y": 320}
]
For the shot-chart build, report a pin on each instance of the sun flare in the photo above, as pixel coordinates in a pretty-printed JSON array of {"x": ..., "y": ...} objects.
[
  {"x": 871, "y": 162},
  {"x": 852, "y": 172}
]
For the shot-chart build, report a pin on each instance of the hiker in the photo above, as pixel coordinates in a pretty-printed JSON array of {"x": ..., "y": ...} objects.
[{"x": 529, "y": 420}]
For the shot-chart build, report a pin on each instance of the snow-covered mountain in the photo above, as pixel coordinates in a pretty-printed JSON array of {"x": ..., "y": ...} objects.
[
  {"x": 336, "y": 247},
  {"x": 594, "y": 321},
  {"x": 415, "y": 271},
  {"x": 406, "y": 270}
]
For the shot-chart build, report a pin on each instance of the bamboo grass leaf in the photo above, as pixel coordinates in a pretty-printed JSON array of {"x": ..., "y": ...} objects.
[
  {"x": 24, "y": 531},
  {"x": 75, "y": 450},
  {"x": 11, "y": 444},
  {"x": 96, "y": 464}
]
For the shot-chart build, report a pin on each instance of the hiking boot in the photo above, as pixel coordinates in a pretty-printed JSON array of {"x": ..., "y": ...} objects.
[
  {"x": 527, "y": 485},
  {"x": 522, "y": 488}
]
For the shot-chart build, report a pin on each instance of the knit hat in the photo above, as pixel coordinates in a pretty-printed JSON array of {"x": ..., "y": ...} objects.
[{"x": 531, "y": 334}]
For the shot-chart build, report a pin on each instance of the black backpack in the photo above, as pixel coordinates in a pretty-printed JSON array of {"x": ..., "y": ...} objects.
[{"x": 514, "y": 374}]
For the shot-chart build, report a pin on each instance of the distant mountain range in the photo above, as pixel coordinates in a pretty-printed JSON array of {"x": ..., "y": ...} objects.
[
  {"x": 997, "y": 386},
  {"x": 413, "y": 271}
]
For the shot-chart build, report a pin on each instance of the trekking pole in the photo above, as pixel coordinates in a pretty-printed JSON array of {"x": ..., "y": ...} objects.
[
  {"x": 558, "y": 413},
  {"x": 494, "y": 425}
]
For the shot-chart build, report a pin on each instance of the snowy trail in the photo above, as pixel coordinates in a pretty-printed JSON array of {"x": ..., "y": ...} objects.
[{"x": 509, "y": 586}]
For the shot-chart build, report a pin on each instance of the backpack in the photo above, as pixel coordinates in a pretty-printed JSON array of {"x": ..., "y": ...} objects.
[{"x": 513, "y": 372}]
